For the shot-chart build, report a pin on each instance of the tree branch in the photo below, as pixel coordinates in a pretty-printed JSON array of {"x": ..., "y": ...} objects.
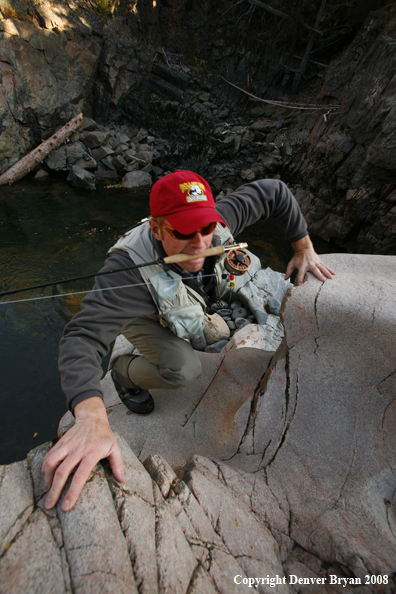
[
  {"x": 279, "y": 13},
  {"x": 286, "y": 104}
]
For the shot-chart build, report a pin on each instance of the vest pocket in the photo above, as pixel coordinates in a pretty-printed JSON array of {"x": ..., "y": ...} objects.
[{"x": 185, "y": 322}]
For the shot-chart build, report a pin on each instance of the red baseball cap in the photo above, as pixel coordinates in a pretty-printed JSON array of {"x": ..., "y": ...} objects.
[{"x": 185, "y": 199}]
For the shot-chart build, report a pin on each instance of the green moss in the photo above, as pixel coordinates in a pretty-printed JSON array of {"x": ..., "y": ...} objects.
[
  {"x": 103, "y": 7},
  {"x": 19, "y": 13}
]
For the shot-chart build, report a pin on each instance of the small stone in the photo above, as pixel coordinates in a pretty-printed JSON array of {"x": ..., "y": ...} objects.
[
  {"x": 129, "y": 154},
  {"x": 240, "y": 322},
  {"x": 82, "y": 178},
  {"x": 231, "y": 324},
  {"x": 86, "y": 163},
  {"x": 41, "y": 174},
  {"x": 239, "y": 312},
  {"x": 215, "y": 329},
  {"x": 95, "y": 139},
  {"x": 141, "y": 135},
  {"x": 108, "y": 161},
  {"x": 88, "y": 125},
  {"x": 198, "y": 343},
  {"x": 124, "y": 139},
  {"x": 132, "y": 166},
  {"x": 120, "y": 163},
  {"x": 224, "y": 312},
  {"x": 235, "y": 304},
  {"x": 248, "y": 174},
  {"x": 219, "y": 305},
  {"x": 136, "y": 179},
  {"x": 146, "y": 156},
  {"x": 102, "y": 152},
  {"x": 57, "y": 160},
  {"x": 75, "y": 152},
  {"x": 229, "y": 140}
]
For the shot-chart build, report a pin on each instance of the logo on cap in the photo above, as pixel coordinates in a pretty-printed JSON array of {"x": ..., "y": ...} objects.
[{"x": 195, "y": 191}]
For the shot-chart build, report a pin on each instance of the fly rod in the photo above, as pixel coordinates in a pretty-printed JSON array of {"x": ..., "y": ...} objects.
[{"x": 174, "y": 259}]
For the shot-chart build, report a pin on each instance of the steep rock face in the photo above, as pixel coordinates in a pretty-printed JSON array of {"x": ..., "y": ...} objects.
[
  {"x": 347, "y": 166},
  {"x": 46, "y": 77},
  {"x": 322, "y": 431}
]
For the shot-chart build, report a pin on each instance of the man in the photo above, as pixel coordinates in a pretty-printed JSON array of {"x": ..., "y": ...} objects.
[{"x": 155, "y": 308}]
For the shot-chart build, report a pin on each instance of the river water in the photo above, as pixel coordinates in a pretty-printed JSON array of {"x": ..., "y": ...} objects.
[{"x": 50, "y": 231}]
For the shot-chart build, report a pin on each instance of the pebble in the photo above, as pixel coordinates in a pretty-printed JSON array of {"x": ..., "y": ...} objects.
[
  {"x": 235, "y": 304},
  {"x": 239, "y": 312},
  {"x": 224, "y": 312},
  {"x": 231, "y": 324},
  {"x": 198, "y": 343},
  {"x": 219, "y": 305},
  {"x": 240, "y": 321},
  {"x": 242, "y": 324}
]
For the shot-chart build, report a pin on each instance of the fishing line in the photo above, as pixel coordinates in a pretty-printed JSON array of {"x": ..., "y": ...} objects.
[
  {"x": 92, "y": 291},
  {"x": 173, "y": 259}
]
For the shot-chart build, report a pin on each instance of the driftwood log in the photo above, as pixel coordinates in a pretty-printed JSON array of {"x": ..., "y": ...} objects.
[{"x": 37, "y": 155}]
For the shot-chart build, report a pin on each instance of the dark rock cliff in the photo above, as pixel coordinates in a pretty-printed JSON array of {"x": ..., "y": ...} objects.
[
  {"x": 347, "y": 166},
  {"x": 159, "y": 65}
]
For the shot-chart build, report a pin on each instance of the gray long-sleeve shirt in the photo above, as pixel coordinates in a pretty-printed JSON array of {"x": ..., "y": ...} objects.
[{"x": 104, "y": 314}]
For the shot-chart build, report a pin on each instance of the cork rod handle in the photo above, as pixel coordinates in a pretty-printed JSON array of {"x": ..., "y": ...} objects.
[{"x": 212, "y": 251}]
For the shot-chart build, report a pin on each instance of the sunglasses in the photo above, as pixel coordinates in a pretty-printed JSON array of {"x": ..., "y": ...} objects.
[{"x": 206, "y": 230}]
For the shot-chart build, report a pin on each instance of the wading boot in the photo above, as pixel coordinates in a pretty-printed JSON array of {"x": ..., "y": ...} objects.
[{"x": 136, "y": 400}]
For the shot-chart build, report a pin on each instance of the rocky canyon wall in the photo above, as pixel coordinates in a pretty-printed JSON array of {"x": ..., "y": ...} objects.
[
  {"x": 47, "y": 70},
  {"x": 160, "y": 67},
  {"x": 347, "y": 165}
]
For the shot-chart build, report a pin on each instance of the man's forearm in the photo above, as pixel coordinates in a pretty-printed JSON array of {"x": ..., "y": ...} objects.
[
  {"x": 302, "y": 245},
  {"x": 90, "y": 407}
]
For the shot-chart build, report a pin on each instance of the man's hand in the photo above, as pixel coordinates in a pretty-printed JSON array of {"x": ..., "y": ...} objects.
[
  {"x": 87, "y": 442},
  {"x": 305, "y": 258}
]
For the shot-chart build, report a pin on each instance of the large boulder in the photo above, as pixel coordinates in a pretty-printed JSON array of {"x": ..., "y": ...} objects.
[
  {"x": 301, "y": 494},
  {"x": 323, "y": 432}
]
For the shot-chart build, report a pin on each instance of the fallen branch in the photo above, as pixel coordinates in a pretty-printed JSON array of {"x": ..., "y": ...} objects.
[
  {"x": 286, "y": 104},
  {"x": 279, "y": 13},
  {"x": 305, "y": 60},
  {"x": 37, "y": 155}
]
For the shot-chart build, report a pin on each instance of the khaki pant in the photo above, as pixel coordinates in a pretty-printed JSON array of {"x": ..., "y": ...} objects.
[{"x": 167, "y": 362}]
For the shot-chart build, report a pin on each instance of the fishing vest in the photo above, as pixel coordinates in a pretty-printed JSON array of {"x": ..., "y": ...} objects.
[{"x": 180, "y": 308}]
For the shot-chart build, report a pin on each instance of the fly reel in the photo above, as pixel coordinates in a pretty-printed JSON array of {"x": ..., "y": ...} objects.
[{"x": 237, "y": 262}]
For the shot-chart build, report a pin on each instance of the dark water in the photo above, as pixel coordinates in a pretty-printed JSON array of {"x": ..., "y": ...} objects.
[{"x": 49, "y": 232}]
